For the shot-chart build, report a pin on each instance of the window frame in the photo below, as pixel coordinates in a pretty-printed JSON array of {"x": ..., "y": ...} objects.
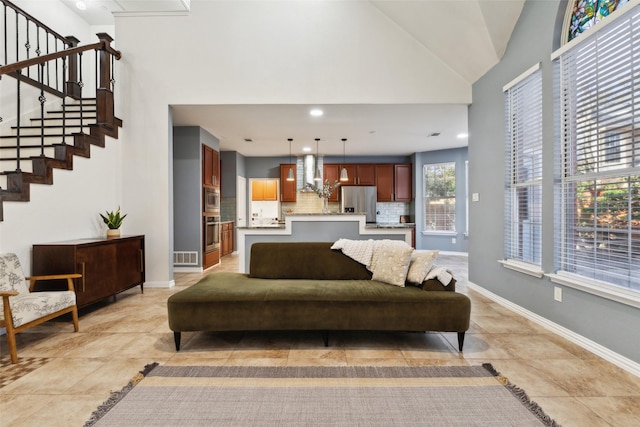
[
  {"x": 523, "y": 173},
  {"x": 583, "y": 154},
  {"x": 452, "y": 196}
]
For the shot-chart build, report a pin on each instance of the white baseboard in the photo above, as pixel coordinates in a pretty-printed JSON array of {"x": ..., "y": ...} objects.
[
  {"x": 187, "y": 269},
  {"x": 163, "y": 284},
  {"x": 592, "y": 346},
  {"x": 465, "y": 254}
]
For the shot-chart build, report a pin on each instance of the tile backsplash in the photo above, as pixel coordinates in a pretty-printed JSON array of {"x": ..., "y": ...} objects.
[{"x": 308, "y": 202}]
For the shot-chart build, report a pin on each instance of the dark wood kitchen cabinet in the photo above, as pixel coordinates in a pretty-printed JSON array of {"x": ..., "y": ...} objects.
[
  {"x": 360, "y": 173},
  {"x": 210, "y": 167},
  {"x": 108, "y": 266},
  {"x": 403, "y": 182},
  {"x": 331, "y": 173},
  {"x": 288, "y": 191},
  {"x": 384, "y": 182}
]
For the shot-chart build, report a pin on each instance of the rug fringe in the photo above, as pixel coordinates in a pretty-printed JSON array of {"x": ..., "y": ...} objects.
[
  {"x": 117, "y": 396},
  {"x": 519, "y": 393}
]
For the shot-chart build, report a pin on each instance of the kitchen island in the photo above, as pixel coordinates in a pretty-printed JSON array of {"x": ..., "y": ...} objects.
[{"x": 315, "y": 228}]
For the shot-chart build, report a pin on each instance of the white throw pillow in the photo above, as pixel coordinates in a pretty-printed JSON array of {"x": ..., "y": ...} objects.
[
  {"x": 421, "y": 264},
  {"x": 391, "y": 264}
]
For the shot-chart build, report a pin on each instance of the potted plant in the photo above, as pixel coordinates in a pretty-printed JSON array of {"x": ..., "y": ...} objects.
[{"x": 113, "y": 220}]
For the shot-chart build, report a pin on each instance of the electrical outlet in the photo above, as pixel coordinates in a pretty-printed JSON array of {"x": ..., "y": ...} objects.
[
  {"x": 453, "y": 240},
  {"x": 557, "y": 294},
  {"x": 475, "y": 197}
]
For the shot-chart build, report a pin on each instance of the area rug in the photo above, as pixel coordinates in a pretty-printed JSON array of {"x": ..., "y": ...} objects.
[{"x": 319, "y": 396}]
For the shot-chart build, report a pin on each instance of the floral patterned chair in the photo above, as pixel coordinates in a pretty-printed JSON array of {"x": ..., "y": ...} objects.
[{"x": 22, "y": 308}]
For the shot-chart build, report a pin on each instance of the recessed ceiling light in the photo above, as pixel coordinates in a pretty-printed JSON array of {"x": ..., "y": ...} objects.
[
  {"x": 306, "y": 149},
  {"x": 462, "y": 135},
  {"x": 316, "y": 112},
  {"x": 81, "y": 5}
]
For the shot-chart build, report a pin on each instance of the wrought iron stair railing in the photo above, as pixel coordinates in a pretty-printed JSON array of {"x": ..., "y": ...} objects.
[{"x": 79, "y": 82}]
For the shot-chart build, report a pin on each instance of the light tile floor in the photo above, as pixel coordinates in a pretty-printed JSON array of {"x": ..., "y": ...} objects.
[{"x": 118, "y": 338}]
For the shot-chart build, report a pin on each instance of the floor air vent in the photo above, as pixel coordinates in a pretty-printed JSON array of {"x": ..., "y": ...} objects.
[{"x": 185, "y": 258}]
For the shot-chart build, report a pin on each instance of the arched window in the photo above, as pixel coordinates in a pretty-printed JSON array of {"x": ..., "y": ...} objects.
[{"x": 586, "y": 13}]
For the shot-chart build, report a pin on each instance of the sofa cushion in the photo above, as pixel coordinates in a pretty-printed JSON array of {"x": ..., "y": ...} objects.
[
  {"x": 421, "y": 263},
  {"x": 391, "y": 263}
]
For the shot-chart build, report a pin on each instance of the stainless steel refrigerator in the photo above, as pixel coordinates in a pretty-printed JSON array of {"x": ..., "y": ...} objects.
[{"x": 359, "y": 199}]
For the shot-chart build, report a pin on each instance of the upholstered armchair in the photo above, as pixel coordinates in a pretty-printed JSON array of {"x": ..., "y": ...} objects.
[{"x": 22, "y": 308}]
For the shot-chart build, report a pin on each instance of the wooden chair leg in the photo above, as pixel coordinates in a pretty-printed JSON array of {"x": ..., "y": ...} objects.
[
  {"x": 11, "y": 343},
  {"x": 74, "y": 314}
]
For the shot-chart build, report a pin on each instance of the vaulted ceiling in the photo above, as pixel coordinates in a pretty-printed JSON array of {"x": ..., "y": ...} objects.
[{"x": 468, "y": 36}]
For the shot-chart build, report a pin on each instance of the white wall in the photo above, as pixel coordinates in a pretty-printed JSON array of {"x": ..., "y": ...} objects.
[
  {"x": 228, "y": 52},
  {"x": 69, "y": 208}
]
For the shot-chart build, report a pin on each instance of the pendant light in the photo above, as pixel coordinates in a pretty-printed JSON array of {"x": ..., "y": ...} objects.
[
  {"x": 290, "y": 173},
  {"x": 317, "y": 176},
  {"x": 344, "y": 176}
]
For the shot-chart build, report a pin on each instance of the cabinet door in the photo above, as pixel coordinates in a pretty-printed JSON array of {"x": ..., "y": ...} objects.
[
  {"x": 257, "y": 190},
  {"x": 215, "y": 168},
  {"x": 207, "y": 165},
  {"x": 97, "y": 264},
  {"x": 270, "y": 190},
  {"x": 331, "y": 173},
  {"x": 287, "y": 188},
  {"x": 403, "y": 182},
  {"x": 366, "y": 174},
  {"x": 352, "y": 174},
  {"x": 384, "y": 182},
  {"x": 130, "y": 260}
]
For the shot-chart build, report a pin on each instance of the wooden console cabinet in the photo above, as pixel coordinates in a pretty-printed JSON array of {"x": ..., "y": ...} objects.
[{"x": 108, "y": 266}]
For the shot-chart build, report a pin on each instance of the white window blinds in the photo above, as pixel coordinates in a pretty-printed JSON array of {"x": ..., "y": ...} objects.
[
  {"x": 523, "y": 169},
  {"x": 598, "y": 192}
]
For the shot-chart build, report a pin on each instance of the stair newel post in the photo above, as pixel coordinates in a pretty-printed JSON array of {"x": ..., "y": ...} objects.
[
  {"x": 104, "y": 95},
  {"x": 42, "y": 100},
  {"x": 72, "y": 89}
]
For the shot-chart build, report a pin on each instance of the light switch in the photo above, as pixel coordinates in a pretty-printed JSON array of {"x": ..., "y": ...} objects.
[{"x": 475, "y": 197}]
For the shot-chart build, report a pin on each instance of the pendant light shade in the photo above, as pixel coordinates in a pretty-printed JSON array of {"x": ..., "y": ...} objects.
[
  {"x": 317, "y": 176},
  {"x": 344, "y": 175},
  {"x": 290, "y": 173}
]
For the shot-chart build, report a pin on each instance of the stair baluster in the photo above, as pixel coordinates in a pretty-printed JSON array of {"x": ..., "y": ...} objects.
[{"x": 42, "y": 100}]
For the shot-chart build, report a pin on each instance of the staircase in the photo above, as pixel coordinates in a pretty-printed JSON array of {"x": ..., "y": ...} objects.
[
  {"x": 63, "y": 128},
  {"x": 48, "y": 143}
]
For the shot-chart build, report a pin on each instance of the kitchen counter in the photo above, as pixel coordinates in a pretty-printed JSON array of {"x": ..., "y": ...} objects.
[{"x": 317, "y": 228}]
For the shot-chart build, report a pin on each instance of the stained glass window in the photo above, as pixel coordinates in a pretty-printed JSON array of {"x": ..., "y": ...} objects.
[{"x": 587, "y": 13}]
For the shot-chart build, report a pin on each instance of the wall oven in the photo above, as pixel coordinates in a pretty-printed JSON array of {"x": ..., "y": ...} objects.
[
  {"x": 211, "y": 200},
  {"x": 211, "y": 233}
]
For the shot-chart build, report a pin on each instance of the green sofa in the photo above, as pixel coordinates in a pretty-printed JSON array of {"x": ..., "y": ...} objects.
[{"x": 309, "y": 286}]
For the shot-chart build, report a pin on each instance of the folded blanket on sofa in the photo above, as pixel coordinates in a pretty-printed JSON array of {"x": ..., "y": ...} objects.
[
  {"x": 367, "y": 252},
  {"x": 443, "y": 275},
  {"x": 359, "y": 250}
]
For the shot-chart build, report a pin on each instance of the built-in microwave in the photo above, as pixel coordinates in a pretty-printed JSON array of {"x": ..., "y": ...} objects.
[{"x": 211, "y": 201}]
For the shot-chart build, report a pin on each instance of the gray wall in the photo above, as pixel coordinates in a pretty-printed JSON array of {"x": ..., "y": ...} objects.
[
  {"x": 434, "y": 241},
  {"x": 187, "y": 186},
  {"x": 605, "y": 322}
]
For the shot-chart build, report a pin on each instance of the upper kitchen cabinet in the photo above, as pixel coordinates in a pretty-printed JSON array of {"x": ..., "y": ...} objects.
[
  {"x": 331, "y": 173},
  {"x": 384, "y": 182},
  {"x": 288, "y": 191},
  {"x": 403, "y": 182},
  {"x": 264, "y": 190},
  {"x": 210, "y": 167},
  {"x": 360, "y": 174}
]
